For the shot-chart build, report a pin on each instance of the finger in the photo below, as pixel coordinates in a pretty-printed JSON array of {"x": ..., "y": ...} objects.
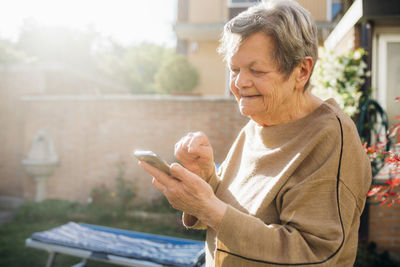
[
  {"x": 181, "y": 145},
  {"x": 182, "y": 153},
  {"x": 187, "y": 142},
  {"x": 159, "y": 186},
  {"x": 202, "y": 151},
  {"x": 182, "y": 173},
  {"x": 198, "y": 140},
  {"x": 160, "y": 176}
]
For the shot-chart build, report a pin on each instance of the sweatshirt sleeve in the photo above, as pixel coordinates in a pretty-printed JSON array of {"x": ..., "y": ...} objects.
[{"x": 311, "y": 229}]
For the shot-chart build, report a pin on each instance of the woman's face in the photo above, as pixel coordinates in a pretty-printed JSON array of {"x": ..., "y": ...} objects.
[{"x": 262, "y": 92}]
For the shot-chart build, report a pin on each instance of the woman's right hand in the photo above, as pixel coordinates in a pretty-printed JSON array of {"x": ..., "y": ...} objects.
[{"x": 195, "y": 153}]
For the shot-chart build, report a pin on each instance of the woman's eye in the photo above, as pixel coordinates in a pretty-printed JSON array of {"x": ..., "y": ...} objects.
[{"x": 257, "y": 71}]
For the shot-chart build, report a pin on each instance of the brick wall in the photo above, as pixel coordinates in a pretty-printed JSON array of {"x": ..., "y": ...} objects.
[
  {"x": 14, "y": 82},
  {"x": 94, "y": 132},
  {"x": 384, "y": 227}
]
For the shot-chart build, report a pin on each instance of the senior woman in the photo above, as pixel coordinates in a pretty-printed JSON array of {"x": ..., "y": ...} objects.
[{"x": 293, "y": 185}]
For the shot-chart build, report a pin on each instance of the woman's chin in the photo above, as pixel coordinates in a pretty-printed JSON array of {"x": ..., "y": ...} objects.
[{"x": 246, "y": 111}]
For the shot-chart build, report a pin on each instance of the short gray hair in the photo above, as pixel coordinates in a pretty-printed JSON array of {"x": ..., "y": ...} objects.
[{"x": 289, "y": 25}]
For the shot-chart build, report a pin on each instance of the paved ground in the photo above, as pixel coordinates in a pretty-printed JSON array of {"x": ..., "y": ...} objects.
[{"x": 8, "y": 207}]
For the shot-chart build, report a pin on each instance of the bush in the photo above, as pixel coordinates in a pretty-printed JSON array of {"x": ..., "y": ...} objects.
[
  {"x": 340, "y": 77},
  {"x": 120, "y": 199},
  {"x": 176, "y": 75},
  {"x": 134, "y": 66},
  {"x": 10, "y": 54},
  {"x": 48, "y": 210}
]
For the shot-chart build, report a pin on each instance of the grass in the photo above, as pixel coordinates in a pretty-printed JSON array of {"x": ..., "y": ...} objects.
[{"x": 34, "y": 217}]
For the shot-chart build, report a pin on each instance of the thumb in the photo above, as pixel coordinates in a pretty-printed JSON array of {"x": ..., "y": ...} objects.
[{"x": 181, "y": 172}]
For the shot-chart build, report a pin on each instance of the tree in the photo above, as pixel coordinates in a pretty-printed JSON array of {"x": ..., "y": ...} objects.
[
  {"x": 9, "y": 53},
  {"x": 176, "y": 75},
  {"x": 134, "y": 66}
]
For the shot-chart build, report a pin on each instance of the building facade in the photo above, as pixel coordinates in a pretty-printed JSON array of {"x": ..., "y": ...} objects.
[
  {"x": 199, "y": 26},
  {"x": 375, "y": 26}
]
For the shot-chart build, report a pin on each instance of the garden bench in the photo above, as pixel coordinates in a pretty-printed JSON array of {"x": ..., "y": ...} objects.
[{"x": 117, "y": 246}]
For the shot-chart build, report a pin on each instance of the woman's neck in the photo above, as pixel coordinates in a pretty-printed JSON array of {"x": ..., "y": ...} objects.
[{"x": 298, "y": 107}]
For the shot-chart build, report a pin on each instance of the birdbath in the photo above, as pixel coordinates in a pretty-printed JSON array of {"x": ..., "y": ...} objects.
[{"x": 41, "y": 162}]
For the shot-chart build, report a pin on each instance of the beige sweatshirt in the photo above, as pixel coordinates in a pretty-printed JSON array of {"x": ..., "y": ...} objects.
[{"x": 295, "y": 193}]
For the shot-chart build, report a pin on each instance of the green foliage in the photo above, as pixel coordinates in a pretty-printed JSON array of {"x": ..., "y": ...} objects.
[
  {"x": 120, "y": 199},
  {"x": 134, "y": 66},
  {"x": 49, "y": 210},
  {"x": 176, "y": 75},
  {"x": 111, "y": 207},
  {"x": 159, "y": 204},
  {"x": 340, "y": 77},
  {"x": 34, "y": 217},
  {"x": 10, "y": 54}
]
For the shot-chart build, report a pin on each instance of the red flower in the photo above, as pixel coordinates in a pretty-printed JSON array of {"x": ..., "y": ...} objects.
[
  {"x": 374, "y": 191},
  {"x": 393, "y": 158}
]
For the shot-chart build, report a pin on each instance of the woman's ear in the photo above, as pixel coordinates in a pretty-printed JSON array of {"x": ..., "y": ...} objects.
[{"x": 304, "y": 72}]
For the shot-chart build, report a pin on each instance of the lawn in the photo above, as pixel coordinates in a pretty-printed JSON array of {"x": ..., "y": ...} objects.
[
  {"x": 33, "y": 217},
  {"x": 157, "y": 218}
]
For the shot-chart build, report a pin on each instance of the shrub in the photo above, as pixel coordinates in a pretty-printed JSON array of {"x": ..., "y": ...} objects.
[
  {"x": 387, "y": 152},
  {"x": 48, "y": 210},
  {"x": 176, "y": 75},
  {"x": 119, "y": 198},
  {"x": 340, "y": 77}
]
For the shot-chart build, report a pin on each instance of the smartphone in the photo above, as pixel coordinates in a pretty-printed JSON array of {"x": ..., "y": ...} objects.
[{"x": 151, "y": 158}]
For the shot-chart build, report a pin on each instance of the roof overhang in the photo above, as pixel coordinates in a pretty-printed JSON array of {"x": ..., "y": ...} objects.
[
  {"x": 380, "y": 12},
  {"x": 199, "y": 32}
]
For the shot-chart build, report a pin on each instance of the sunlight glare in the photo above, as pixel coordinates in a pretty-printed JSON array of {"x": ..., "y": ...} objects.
[{"x": 125, "y": 20}]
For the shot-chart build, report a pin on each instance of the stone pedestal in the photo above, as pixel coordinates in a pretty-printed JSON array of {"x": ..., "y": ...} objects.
[{"x": 41, "y": 163}]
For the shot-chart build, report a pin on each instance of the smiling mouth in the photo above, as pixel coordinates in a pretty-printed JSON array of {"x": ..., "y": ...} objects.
[{"x": 250, "y": 96}]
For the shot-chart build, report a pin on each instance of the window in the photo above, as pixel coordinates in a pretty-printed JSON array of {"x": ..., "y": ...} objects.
[
  {"x": 242, "y": 3},
  {"x": 336, "y": 8},
  {"x": 387, "y": 73}
]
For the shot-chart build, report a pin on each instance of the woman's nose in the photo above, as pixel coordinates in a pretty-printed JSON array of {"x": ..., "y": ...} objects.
[{"x": 242, "y": 81}]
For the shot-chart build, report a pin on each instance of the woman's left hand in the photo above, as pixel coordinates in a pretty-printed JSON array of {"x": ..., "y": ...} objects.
[{"x": 189, "y": 193}]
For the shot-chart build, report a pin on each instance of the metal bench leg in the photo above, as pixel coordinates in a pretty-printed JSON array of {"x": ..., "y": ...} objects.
[
  {"x": 51, "y": 258},
  {"x": 80, "y": 264}
]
